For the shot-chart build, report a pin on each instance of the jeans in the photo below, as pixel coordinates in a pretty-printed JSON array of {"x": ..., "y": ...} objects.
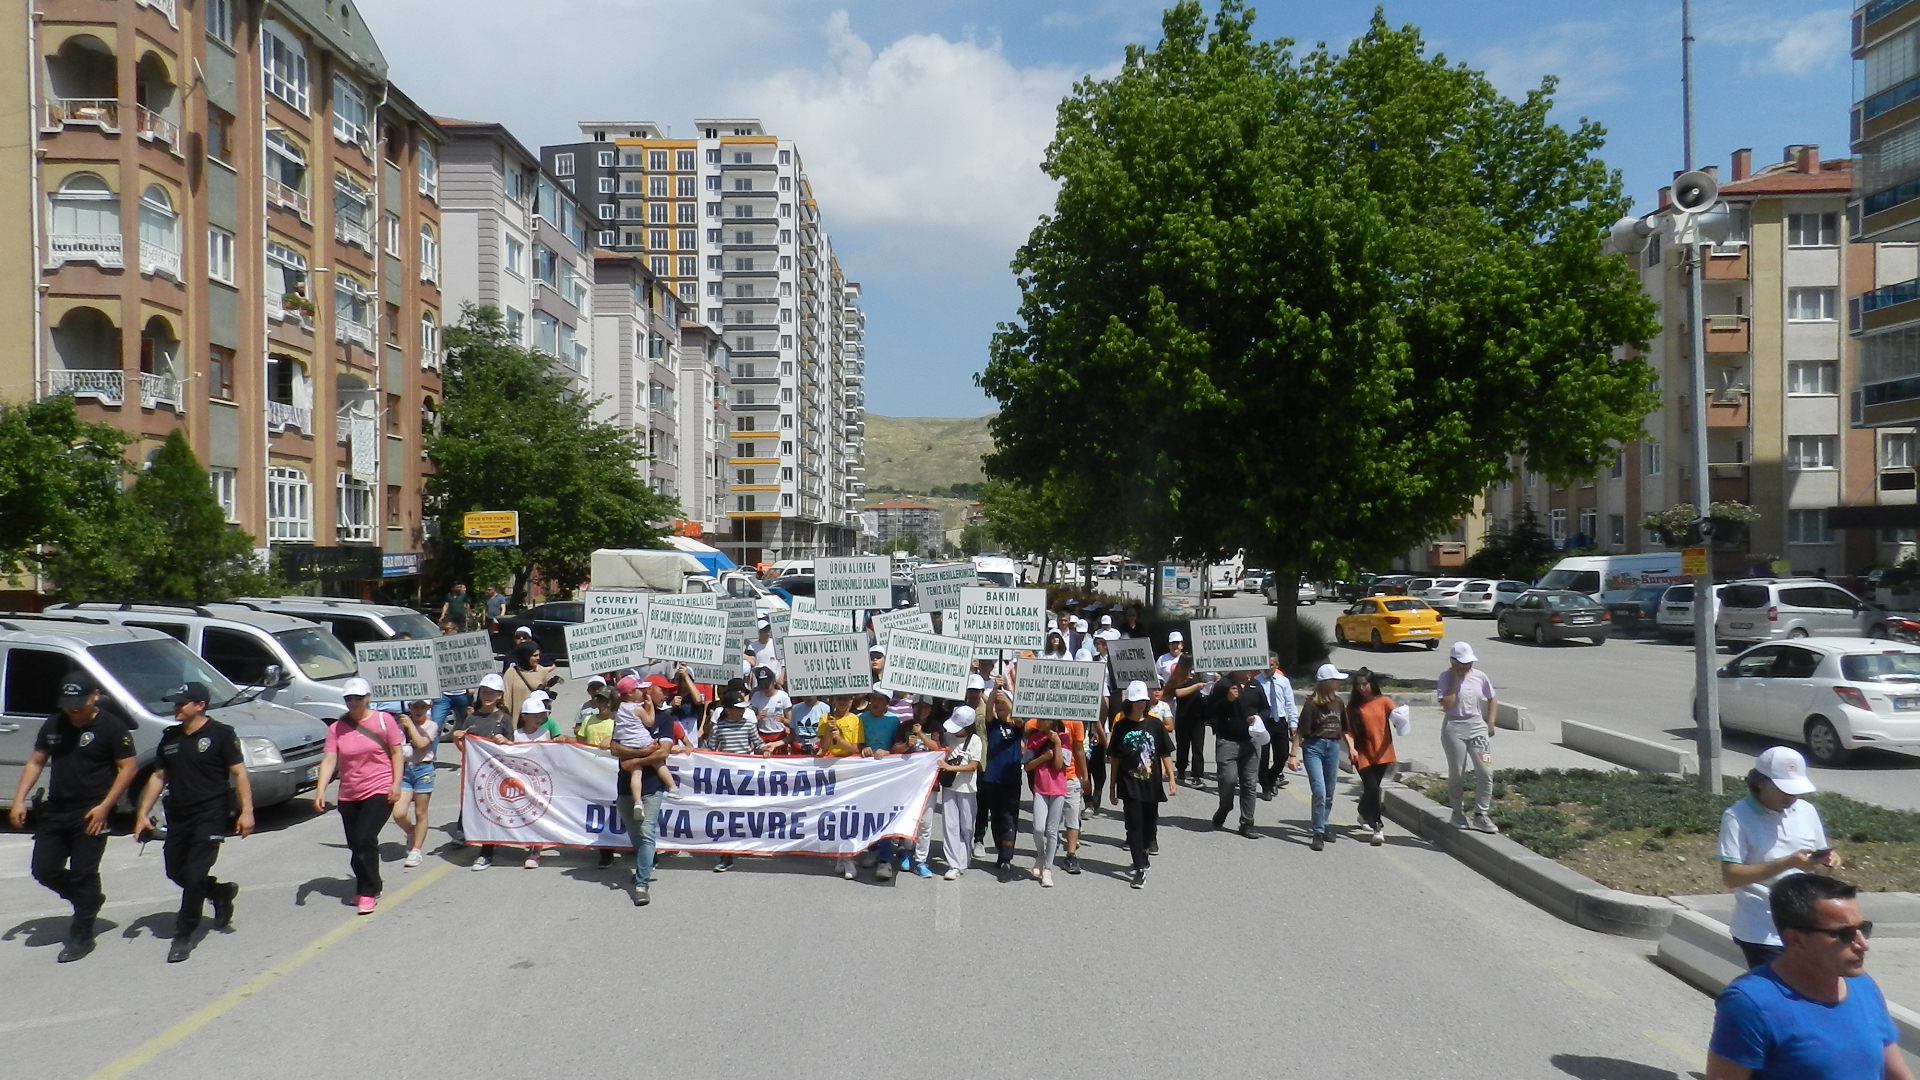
[
  {"x": 361, "y": 820},
  {"x": 1046, "y": 828},
  {"x": 189, "y": 853},
  {"x": 452, "y": 707},
  {"x": 1322, "y": 760},
  {"x": 1239, "y": 764},
  {"x": 1465, "y": 744},
  {"x": 1759, "y": 955},
  {"x": 957, "y": 810},
  {"x": 1143, "y": 829},
  {"x": 67, "y": 860},
  {"x": 1189, "y": 743},
  {"x": 643, "y": 828},
  {"x": 1000, "y": 807},
  {"x": 1370, "y": 778}
]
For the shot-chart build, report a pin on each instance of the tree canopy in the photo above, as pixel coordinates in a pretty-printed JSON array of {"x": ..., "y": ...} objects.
[
  {"x": 515, "y": 436},
  {"x": 60, "y": 480},
  {"x": 1311, "y": 304}
]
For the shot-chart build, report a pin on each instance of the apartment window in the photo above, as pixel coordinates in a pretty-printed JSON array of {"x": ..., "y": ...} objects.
[
  {"x": 686, "y": 213},
  {"x": 1813, "y": 230},
  {"x": 786, "y": 157},
  {"x": 1653, "y": 250},
  {"x": 1616, "y": 529},
  {"x": 786, "y": 342},
  {"x": 786, "y": 209},
  {"x": 283, "y": 65},
  {"x": 606, "y": 238},
  {"x": 220, "y": 255},
  {"x": 606, "y": 159},
  {"x": 1652, "y": 540},
  {"x": 630, "y": 212},
  {"x": 688, "y": 239},
  {"x": 220, "y": 135},
  {"x": 786, "y": 420},
  {"x": 219, "y": 19},
  {"x": 713, "y": 183},
  {"x": 786, "y": 288},
  {"x": 1813, "y": 377},
  {"x": 713, "y": 157},
  {"x": 1810, "y": 452},
  {"x": 286, "y": 162},
  {"x": 1589, "y": 525},
  {"x": 743, "y": 290},
  {"x": 1898, "y": 536},
  {"x": 689, "y": 292},
  {"x": 516, "y": 324},
  {"x": 786, "y": 183},
  {"x": 606, "y": 185},
  {"x": 658, "y": 264},
  {"x": 226, "y": 487},
  {"x": 786, "y": 448},
  {"x": 657, "y": 187},
  {"x": 713, "y": 315},
  {"x": 629, "y": 161},
  {"x": 786, "y": 236},
  {"x": 350, "y": 301},
  {"x": 286, "y": 270},
  {"x": 656, "y": 161},
  {"x": 742, "y": 184},
  {"x": 1810, "y": 305},
  {"x": 220, "y": 372},
  {"x": 743, "y": 211},
  {"x": 631, "y": 238},
  {"x": 1618, "y": 466},
  {"x": 689, "y": 266},
  {"x": 786, "y": 314},
  {"x": 546, "y": 333},
  {"x": 563, "y": 164},
  {"x": 713, "y": 236},
  {"x": 683, "y": 160},
  {"x": 351, "y": 122},
  {"x": 657, "y": 213},
  {"x": 786, "y": 262},
  {"x": 686, "y": 188},
  {"x": 356, "y": 508},
  {"x": 1808, "y": 527},
  {"x": 1651, "y": 454},
  {"x": 743, "y": 503},
  {"x": 1557, "y": 527},
  {"x": 289, "y": 504},
  {"x": 516, "y": 257},
  {"x": 427, "y": 164},
  {"x": 1896, "y": 452},
  {"x": 606, "y": 211},
  {"x": 546, "y": 265}
]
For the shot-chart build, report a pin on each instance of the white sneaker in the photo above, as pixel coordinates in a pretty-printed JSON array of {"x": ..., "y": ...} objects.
[
  {"x": 1483, "y": 823},
  {"x": 533, "y": 861},
  {"x": 481, "y": 863},
  {"x": 950, "y": 875},
  {"x": 847, "y": 870},
  {"x": 676, "y": 793},
  {"x": 413, "y": 858},
  {"x": 1046, "y": 879},
  {"x": 1458, "y": 820},
  {"x": 1379, "y": 836}
]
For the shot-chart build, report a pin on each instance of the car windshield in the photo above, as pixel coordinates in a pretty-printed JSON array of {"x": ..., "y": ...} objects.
[
  {"x": 412, "y": 624},
  {"x": 1678, "y": 594},
  {"x": 1649, "y": 592},
  {"x": 1476, "y": 586},
  {"x": 996, "y": 579},
  {"x": 150, "y": 670},
  {"x": 1585, "y": 581},
  {"x": 1449, "y": 583},
  {"x": 1567, "y": 600},
  {"x": 1881, "y": 667},
  {"x": 1406, "y": 605},
  {"x": 319, "y": 654}
]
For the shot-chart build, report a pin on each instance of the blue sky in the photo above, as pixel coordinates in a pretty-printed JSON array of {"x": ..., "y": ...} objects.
[{"x": 922, "y": 122}]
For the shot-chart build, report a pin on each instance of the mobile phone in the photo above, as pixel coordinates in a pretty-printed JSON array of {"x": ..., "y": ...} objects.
[{"x": 1821, "y": 854}]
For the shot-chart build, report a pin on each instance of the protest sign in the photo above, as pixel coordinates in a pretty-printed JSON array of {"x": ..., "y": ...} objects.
[
  {"x": 803, "y": 603},
  {"x": 853, "y": 583},
  {"x": 740, "y": 620},
  {"x": 1228, "y": 644},
  {"x": 937, "y": 587},
  {"x": 606, "y": 646},
  {"x": 828, "y": 664},
  {"x": 1132, "y": 660},
  {"x": 603, "y": 605},
  {"x": 462, "y": 660},
  {"x": 714, "y": 674},
  {"x": 691, "y": 635},
  {"x": 906, "y": 618},
  {"x": 919, "y": 663},
  {"x": 399, "y": 670},
  {"x": 534, "y": 794},
  {"x": 688, "y": 599},
  {"x": 820, "y": 622},
  {"x": 1004, "y": 618},
  {"x": 1059, "y": 689},
  {"x": 778, "y": 621}
]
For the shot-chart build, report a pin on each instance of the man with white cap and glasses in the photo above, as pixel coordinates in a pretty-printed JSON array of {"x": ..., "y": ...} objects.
[
  {"x": 1466, "y": 730},
  {"x": 1771, "y": 834}
]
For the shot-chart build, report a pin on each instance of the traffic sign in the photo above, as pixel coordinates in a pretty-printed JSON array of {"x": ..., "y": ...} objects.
[{"x": 1693, "y": 561}]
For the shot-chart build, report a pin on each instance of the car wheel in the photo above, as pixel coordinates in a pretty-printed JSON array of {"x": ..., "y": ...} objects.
[
  {"x": 1823, "y": 743},
  {"x": 1539, "y": 635},
  {"x": 1433, "y": 645},
  {"x": 1497, "y": 609},
  {"x": 1797, "y": 632},
  {"x": 1500, "y": 628},
  {"x": 1339, "y": 635},
  {"x": 1376, "y": 641},
  {"x": 1599, "y": 640}
]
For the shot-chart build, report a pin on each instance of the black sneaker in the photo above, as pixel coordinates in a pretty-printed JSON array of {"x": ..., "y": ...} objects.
[
  {"x": 1247, "y": 831},
  {"x": 181, "y": 948},
  {"x": 1071, "y": 864},
  {"x": 1220, "y": 820},
  {"x": 640, "y": 897},
  {"x": 1266, "y": 794},
  {"x": 223, "y": 897},
  {"x": 1319, "y": 841},
  {"x": 76, "y": 948},
  {"x": 725, "y": 864},
  {"x": 1330, "y": 835},
  {"x": 606, "y": 858},
  {"x": 1153, "y": 849},
  {"x": 1139, "y": 880}
]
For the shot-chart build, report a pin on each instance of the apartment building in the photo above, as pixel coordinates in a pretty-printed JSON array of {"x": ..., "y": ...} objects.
[
  {"x": 706, "y": 421},
  {"x": 636, "y": 350},
  {"x": 228, "y": 225},
  {"x": 729, "y": 221},
  {"x": 516, "y": 240},
  {"x": 1778, "y": 431},
  {"x": 1884, "y": 309},
  {"x": 905, "y": 518}
]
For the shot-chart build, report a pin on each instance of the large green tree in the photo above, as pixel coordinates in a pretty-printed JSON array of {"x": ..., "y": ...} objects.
[
  {"x": 515, "y": 436},
  {"x": 60, "y": 480},
  {"x": 1311, "y": 304}
]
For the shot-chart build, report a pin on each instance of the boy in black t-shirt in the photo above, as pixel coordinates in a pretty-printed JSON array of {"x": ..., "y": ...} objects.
[
  {"x": 1139, "y": 760},
  {"x": 90, "y": 746},
  {"x": 201, "y": 767}
]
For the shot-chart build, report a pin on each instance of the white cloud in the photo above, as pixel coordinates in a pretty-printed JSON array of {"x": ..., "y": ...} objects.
[
  {"x": 1807, "y": 44},
  {"x": 1580, "y": 53}
]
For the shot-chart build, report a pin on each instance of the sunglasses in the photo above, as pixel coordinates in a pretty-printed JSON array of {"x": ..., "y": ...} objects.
[{"x": 1842, "y": 934}]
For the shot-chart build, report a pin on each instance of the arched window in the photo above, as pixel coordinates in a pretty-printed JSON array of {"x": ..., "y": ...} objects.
[
  {"x": 289, "y": 504},
  {"x": 159, "y": 233},
  {"x": 84, "y": 222}
]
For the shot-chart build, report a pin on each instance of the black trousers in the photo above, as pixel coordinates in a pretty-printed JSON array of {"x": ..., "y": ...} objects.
[
  {"x": 999, "y": 806},
  {"x": 362, "y": 820},
  {"x": 1370, "y": 778},
  {"x": 1273, "y": 756},
  {"x": 67, "y": 860},
  {"x": 1190, "y": 737},
  {"x": 1097, "y": 765},
  {"x": 190, "y": 852},
  {"x": 1143, "y": 829}
]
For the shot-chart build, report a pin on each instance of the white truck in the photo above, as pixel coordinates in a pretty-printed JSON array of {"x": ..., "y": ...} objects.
[{"x": 646, "y": 570}]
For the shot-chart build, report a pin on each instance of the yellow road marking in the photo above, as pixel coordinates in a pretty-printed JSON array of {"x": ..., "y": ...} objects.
[{"x": 213, "y": 1010}]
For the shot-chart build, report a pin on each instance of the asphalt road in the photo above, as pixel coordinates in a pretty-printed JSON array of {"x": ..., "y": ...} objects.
[{"x": 1240, "y": 956}]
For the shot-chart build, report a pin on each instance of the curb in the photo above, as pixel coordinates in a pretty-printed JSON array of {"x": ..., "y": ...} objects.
[
  {"x": 1569, "y": 896},
  {"x": 1630, "y": 751}
]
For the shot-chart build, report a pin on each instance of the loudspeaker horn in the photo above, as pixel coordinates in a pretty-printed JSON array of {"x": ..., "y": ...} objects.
[{"x": 1694, "y": 192}]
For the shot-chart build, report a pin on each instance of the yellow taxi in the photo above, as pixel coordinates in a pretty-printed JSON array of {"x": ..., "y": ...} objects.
[{"x": 1389, "y": 620}]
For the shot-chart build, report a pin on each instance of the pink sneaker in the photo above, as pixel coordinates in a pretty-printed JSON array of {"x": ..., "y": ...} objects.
[{"x": 364, "y": 904}]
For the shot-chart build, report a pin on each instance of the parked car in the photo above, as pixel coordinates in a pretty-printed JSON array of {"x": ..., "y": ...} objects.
[
  {"x": 1444, "y": 593},
  {"x": 1487, "y": 596},
  {"x": 1255, "y": 581},
  {"x": 1418, "y": 586},
  {"x": 1348, "y": 591},
  {"x": 1389, "y": 585},
  {"x": 1835, "y": 695},
  {"x": 548, "y": 622},
  {"x": 351, "y": 620},
  {"x": 1763, "y": 610},
  {"x": 1553, "y": 615},
  {"x": 1389, "y": 620},
  {"x": 1674, "y": 622},
  {"x": 1639, "y": 612},
  {"x": 1306, "y": 592}
]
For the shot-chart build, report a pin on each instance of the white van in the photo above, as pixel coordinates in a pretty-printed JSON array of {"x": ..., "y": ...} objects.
[
  {"x": 1608, "y": 578},
  {"x": 996, "y": 570}
]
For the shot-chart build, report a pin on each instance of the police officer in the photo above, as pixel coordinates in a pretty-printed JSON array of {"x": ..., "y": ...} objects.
[
  {"x": 89, "y": 743},
  {"x": 203, "y": 771}
]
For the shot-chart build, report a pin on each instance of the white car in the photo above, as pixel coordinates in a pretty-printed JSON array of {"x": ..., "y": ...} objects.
[
  {"x": 1674, "y": 620},
  {"x": 1486, "y": 596},
  {"x": 1836, "y": 695},
  {"x": 1444, "y": 593}
]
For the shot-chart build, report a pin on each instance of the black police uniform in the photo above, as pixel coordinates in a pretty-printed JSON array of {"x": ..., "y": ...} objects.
[
  {"x": 199, "y": 810},
  {"x": 84, "y": 759}
]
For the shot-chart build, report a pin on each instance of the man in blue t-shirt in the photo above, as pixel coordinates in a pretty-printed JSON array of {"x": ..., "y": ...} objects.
[{"x": 1813, "y": 1013}]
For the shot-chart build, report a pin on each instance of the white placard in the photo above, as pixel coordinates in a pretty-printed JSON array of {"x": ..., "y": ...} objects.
[
  {"x": 603, "y": 605},
  {"x": 1060, "y": 689},
  {"x": 803, "y": 603},
  {"x": 462, "y": 660},
  {"x": 949, "y": 622},
  {"x": 691, "y": 635},
  {"x": 929, "y": 664},
  {"x": 906, "y": 618},
  {"x": 688, "y": 599},
  {"x": 778, "y": 620},
  {"x": 1228, "y": 644},
  {"x": 938, "y": 587},
  {"x": 400, "y": 670},
  {"x": 740, "y": 619},
  {"x": 1132, "y": 661},
  {"x": 714, "y": 674},
  {"x": 606, "y": 646},
  {"x": 828, "y": 664},
  {"x": 1004, "y": 618},
  {"x": 853, "y": 583},
  {"x": 820, "y": 622}
]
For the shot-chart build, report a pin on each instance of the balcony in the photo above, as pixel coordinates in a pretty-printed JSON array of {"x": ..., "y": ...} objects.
[
  {"x": 348, "y": 232},
  {"x": 103, "y": 249},
  {"x": 1725, "y": 262},
  {"x": 1728, "y": 335},
  {"x": 1728, "y": 486},
  {"x": 1731, "y": 409},
  {"x": 282, "y": 416},
  {"x": 155, "y": 260},
  {"x": 1885, "y": 308},
  {"x": 157, "y": 128},
  {"x": 107, "y": 386},
  {"x": 169, "y": 8},
  {"x": 279, "y": 194},
  {"x": 158, "y": 390},
  {"x": 1873, "y": 23},
  {"x": 352, "y": 333},
  {"x": 103, "y": 113}
]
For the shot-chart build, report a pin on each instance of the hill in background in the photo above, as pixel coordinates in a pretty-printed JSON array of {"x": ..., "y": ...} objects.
[{"x": 917, "y": 454}]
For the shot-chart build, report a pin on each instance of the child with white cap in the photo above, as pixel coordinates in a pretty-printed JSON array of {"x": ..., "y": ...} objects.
[
  {"x": 959, "y": 797},
  {"x": 1322, "y": 731},
  {"x": 1466, "y": 728},
  {"x": 1771, "y": 834}
]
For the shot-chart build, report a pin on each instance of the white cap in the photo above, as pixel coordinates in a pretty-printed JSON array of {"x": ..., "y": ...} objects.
[
  {"x": 1462, "y": 653},
  {"x": 1175, "y": 636},
  {"x": 976, "y": 681},
  {"x": 963, "y": 718},
  {"x": 533, "y": 705},
  {"x": 1079, "y": 626},
  {"x": 355, "y": 688},
  {"x": 1328, "y": 671},
  {"x": 591, "y": 679},
  {"x": 1786, "y": 768},
  {"x": 877, "y": 650},
  {"x": 540, "y": 695},
  {"x": 1136, "y": 691},
  {"x": 1106, "y": 620},
  {"x": 521, "y": 631},
  {"x": 881, "y": 690},
  {"x": 1109, "y": 634},
  {"x": 493, "y": 682}
]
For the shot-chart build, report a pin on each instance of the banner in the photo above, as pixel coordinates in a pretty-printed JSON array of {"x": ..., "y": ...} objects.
[
  {"x": 852, "y": 584},
  {"x": 605, "y": 605},
  {"x": 462, "y": 660},
  {"x": 1228, "y": 644},
  {"x": 938, "y": 587},
  {"x": 399, "y": 670},
  {"x": 562, "y": 794},
  {"x": 691, "y": 635},
  {"x": 820, "y": 622},
  {"x": 606, "y": 646},
  {"x": 996, "y": 619},
  {"x": 928, "y": 664},
  {"x": 906, "y": 618},
  {"x": 1132, "y": 660},
  {"x": 1059, "y": 689},
  {"x": 828, "y": 664}
]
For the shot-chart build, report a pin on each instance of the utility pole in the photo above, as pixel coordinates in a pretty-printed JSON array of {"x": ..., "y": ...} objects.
[{"x": 1706, "y": 690}]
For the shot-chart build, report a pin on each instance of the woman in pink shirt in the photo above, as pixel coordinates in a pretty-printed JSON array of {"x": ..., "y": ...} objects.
[
  {"x": 367, "y": 749},
  {"x": 1047, "y": 773}
]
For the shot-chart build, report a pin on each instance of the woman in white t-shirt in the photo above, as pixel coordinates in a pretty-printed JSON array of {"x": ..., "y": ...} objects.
[
  {"x": 1771, "y": 834},
  {"x": 959, "y": 801}
]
